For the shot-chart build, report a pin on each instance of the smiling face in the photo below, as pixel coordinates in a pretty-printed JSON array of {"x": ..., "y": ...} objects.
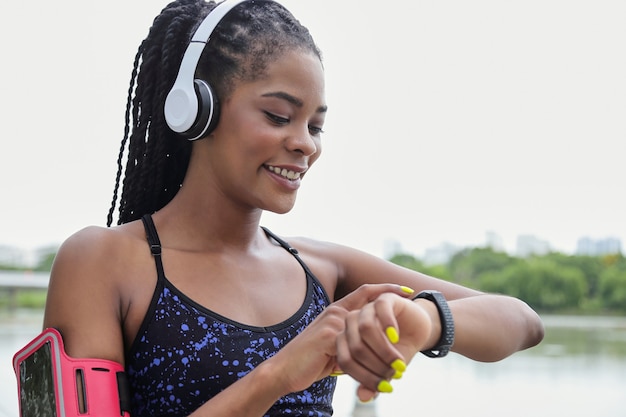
[{"x": 269, "y": 134}]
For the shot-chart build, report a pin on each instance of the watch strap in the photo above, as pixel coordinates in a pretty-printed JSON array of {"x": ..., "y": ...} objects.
[{"x": 446, "y": 340}]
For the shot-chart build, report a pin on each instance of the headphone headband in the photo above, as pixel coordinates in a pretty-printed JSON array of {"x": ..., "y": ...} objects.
[{"x": 183, "y": 103}]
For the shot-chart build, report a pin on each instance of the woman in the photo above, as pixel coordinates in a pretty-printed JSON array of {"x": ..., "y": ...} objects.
[{"x": 211, "y": 314}]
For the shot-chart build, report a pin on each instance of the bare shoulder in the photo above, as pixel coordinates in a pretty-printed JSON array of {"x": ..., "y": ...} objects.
[
  {"x": 341, "y": 268},
  {"x": 345, "y": 259},
  {"x": 337, "y": 256},
  {"x": 88, "y": 254},
  {"x": 89, "y": 287}
]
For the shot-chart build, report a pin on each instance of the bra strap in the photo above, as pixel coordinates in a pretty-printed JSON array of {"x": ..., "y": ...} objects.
[
  {"x": 289, "y": 248},
  {"x": 154, "y": 242}
]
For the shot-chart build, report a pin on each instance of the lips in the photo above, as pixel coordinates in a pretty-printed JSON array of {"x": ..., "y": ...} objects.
[{"x": 284, "y": 172}]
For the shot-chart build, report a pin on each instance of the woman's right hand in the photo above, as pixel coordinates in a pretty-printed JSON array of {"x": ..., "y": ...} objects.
[{"x": 312, "y": 355}]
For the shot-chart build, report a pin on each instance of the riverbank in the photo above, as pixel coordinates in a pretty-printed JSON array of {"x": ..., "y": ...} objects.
[{"x": 579, "y": 370}]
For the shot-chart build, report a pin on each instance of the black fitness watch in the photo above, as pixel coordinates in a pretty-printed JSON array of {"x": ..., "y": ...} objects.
[{"x": 444, "y": 344}]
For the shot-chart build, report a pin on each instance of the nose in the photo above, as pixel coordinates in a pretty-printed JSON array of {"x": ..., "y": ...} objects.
[{"x": 302, "y": 141}]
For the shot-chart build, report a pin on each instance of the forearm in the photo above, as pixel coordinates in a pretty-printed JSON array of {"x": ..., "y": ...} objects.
[{"x": 491, "y": 327}]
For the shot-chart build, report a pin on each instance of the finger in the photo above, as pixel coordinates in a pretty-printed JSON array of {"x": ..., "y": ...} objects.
[
  {"x": 386, "y": 310},
  {"x": 356, "y": 357},
  {"x": 356, "y": 369},
  {"x": 369, "y": 292},
  {"x": 365, "y": 395},
  {"x": 379, "y": 328},
  {"x": 364, "y": 339}
]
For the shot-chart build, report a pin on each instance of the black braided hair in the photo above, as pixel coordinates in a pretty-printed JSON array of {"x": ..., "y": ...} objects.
[{"x": 252, "y": 35}]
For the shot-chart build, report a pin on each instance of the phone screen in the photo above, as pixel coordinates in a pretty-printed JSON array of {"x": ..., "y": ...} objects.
[{"x": 37, "y": 395}]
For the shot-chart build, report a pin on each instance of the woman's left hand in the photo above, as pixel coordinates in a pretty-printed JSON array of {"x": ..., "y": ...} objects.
[{"x": 379, "y": 341}]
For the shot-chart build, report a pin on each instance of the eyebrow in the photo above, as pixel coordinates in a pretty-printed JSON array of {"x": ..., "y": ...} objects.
[{"x": 293, "y": 100}]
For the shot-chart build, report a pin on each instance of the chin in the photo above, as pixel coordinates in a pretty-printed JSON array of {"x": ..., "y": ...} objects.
[
  {"x": 280, "y": 210},
  {"x": 281, "y": 207}
]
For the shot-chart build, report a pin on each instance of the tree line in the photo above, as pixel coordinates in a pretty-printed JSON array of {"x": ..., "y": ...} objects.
[
  {"x": 554, "y": 282},
  {"x": 44, "y": 262}
]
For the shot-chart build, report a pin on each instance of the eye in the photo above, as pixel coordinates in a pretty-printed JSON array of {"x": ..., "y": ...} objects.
[
  {"x": 276, "y": 119},
  {"x": 315, "y": 131}
]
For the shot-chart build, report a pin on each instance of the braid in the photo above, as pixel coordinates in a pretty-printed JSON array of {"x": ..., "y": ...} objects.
[
  {"x": 125, "y": 139},
  {"x": 252, "y": 35}
]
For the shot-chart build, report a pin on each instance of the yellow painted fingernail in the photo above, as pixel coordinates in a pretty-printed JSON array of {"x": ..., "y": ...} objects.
[
  {"x": 385, "y": 386},
  {"x": 392, "y": 335},
  {"x": 407, "y": 290},
  {"x": 398, "y": 375},
  {"x": 399, "y": 365},
  {"x": 337, "y": 373}
]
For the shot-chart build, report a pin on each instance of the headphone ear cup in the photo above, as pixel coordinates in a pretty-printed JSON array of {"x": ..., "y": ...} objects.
[{"x": 208, "y": 111}]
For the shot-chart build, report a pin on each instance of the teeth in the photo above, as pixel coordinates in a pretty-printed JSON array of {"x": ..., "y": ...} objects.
[{"x": 291, "y": 175}]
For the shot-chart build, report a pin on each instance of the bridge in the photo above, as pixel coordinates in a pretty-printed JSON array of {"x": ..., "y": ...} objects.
[{"x": 12, "y": 282}]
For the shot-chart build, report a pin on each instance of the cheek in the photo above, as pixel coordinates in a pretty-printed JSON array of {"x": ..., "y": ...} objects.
[
  {"x": 252, "y": 137},
  {"x": 260, "y": 140}
]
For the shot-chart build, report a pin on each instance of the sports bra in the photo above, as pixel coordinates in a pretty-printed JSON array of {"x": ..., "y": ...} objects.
[{"x": 184, "y": 354}]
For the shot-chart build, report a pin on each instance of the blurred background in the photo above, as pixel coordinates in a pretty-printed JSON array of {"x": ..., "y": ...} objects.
[{"x": 476, "y": 141}]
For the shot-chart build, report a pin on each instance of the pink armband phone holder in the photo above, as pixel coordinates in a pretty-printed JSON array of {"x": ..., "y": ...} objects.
[{"x": 50, "y": 383}]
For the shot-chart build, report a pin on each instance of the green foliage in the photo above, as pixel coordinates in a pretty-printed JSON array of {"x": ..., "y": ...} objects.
[
  {"x": 411, "y": 262},
  {"x": 408, "y": 261},
  {"x": 467, "y": 265},
  {"x": 45, "y": 264},
  {"x": 439, "y": 271},
  {"x": 590, "y": 266},
  {"x": 28, "y": 298},
  {"x": 35, "y": 299},
  {"x": 554, "y": 282},
  {"x": 557, "y": 286},
  {"x": 542, "y": 283},
  {"x": 613, "y": 287}
]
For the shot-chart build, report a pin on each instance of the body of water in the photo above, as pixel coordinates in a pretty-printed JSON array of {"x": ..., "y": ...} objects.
[{"x": 579, "y": 370}]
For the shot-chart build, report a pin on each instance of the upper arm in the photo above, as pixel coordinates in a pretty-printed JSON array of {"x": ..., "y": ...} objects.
[
  {"x": 358, "y": 265},
  {"x": 353, "y": 268},
  {"x": 83, "y": 300}
]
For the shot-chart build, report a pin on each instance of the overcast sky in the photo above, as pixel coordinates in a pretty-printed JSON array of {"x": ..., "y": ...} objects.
[{"x": 447, "y": 119}]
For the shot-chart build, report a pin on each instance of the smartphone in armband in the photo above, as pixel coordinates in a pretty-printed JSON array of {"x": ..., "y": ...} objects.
[{"x": 52, "y": 384}]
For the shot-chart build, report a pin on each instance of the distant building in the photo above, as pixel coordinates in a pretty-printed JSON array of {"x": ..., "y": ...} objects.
[
  {"x": 495, "y": 241},
  {"x": 12, "y": 256},
  {"x": 528, "y": 245},
  {"x": 441, "y": 254},
  {"x": 597, "y": 247},
  {"x": 392, "y": 247}
]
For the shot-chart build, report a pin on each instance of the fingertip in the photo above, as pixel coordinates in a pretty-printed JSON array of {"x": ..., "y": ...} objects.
[
  {"x": 385, "y": 387},
  {"x": 392, "y": 335},
  {"x": 366, "y": 395},
  {"x": 407, "y": 290},
  {"x": 398, "y": 365}
]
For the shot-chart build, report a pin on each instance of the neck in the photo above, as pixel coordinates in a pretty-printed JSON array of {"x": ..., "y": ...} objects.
[{"x": 199, "y": 219}]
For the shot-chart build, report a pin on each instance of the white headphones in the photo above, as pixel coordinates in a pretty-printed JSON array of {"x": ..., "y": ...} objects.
[{"x": 191, "y": 107}]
